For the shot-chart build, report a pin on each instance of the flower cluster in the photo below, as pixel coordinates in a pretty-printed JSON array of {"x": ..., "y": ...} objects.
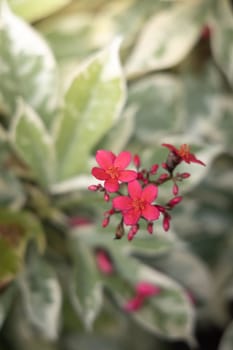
[{"x": 133, "y": 193}]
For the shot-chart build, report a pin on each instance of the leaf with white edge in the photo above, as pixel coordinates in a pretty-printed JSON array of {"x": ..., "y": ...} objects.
[
  {"x": 27, "y": 68},
  {"x": 33, "y": 10},
  {"x": 93, "y": 103},
  {"x": 42, "y": 298},
  {"x": 168, "y": 314},
  {"x": 222, "y": 38},
  {"x": 85, "y": 288},
  {"x": 158, "y": 105},
  {"x": 167, "y": 37},
  {"x": 178, "y": 264},
  {"x": 6, "y": 298},
  {"x": 226, "y": 342},
  {"x": 33, "y": 143},
  {"x": 16, "y": 229}
]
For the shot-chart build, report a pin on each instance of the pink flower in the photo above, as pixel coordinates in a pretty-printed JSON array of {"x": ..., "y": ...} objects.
[
  {"x": 183, "y": 154},
  {"x": 144, "y": 290},
  {"x": 104, "y": 263},
  {"x": 138, "y": 203},
  {"x": 112, "y": 169}
]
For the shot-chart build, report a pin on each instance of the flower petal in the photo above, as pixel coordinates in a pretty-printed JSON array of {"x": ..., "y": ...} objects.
[
  {"x": 150, "y": 212},
  {"x": 111, "y": 185},
  {"x": 131, "y": 217},
  {"x": 149, "y": 193},
  {"x": 122, "y": 203},
  {"x": 134, "y": 189},
  {"x": 193, "y": 159},
  {"x": 122, "y": 160},
  {"x": 171, "y": 148},
  {"x": 99, "y": 173},
  {"x": 127, "y": 175},
  {"x": 104, "y": 158}
]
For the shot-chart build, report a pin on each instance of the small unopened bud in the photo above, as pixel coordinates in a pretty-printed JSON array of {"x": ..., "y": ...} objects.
[
  {"x": 106, "y": 197},
  {"x": 119, "y": 233},
  {"x": 160, "y": 208},
  {"x": 166, "y": 222},
  {"x": 174, "y": 201},
  {"x": 93, "y": 188},
  {"x": 150, "y": 227},
  {"x": 163, "y": 177},
  {"x": 154, "y": 169},
  {"x": 175, "y": 189},
  {"x": 137, "y": 161},
  {"x": 132, "y": 232},
  {"x": 185, "y": 175},
  {"x": 105, "y": 222}
]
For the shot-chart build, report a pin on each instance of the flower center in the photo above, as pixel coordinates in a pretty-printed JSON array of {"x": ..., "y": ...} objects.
[
  {"x": 113, "y": 172},
  {"x": 138, "y": 204},
  {"x": 184, "y": 151}
]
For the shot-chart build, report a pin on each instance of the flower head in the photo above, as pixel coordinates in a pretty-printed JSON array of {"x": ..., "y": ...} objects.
[
  {"x": 181, "y": 154},
  {"x": 112, "y": 169},
  {"x": 138, "y": 203}
]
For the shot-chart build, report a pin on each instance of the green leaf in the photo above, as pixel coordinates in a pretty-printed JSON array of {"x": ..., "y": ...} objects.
[
  {"x": 158, "y": 105},
  {"x": 10, "y": 261},
  {"x": 85, "y": 288},
  {"x": 167, "y": 37},
  {"x": 33, "y": 10},
  {"x": 93, "y": 103},
  {"x": 226, "y": 342},
  {"x": 27, "y": 69},
  {"x": 41, "y": 294},
  {"x": 222, "y": 38},
  {"x": 6, "y": 298},
  {"x": 169, "y": 314},
  {"x": 16, "y": 229},
  {"x": 33, "y": 144}
]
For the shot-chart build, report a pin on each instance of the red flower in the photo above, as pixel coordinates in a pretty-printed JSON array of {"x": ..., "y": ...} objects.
[
  {"x": 144, "y": 290},
  {"x": 138, "y": 203},
  {"x": 112, "y": 169},
  {"x": 183, "y": 153},
  {"x": 104, "y": 263}
]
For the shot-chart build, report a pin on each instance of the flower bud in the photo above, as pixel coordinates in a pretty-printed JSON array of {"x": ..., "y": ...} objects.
[
  {"x": 175, "y": 189},
  {"x": 150, "y": 227},
  {"x": 137, "y": 161},
  {"x": 185, "y": 175},
  {"x": 93, "y": 188},
  {"x": 174, "y": 201},
  {"x": 153, "y": 169},
  {"x": 105, "y": 222}
]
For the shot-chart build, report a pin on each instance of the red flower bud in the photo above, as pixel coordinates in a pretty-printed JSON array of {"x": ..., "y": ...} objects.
[
  {"x": 166, "y": 222},
  {"x": 174, "y": 201},
  {"x": 185, "y": 175},
  {"x": 137, "y": 161},
  {"x": 150, "y": 227},
  {"x": 154, "y": 169},
  {"x": 93, "y": 188},
  {"x": 106, "y": 197},
  {"x": 175, "y": 189},
  {"x": 105, "y": 222}
]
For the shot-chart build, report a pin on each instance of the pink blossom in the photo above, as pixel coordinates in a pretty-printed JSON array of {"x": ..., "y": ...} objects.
[
  {"x": 112, "y": 169},
  {"x": 138, "y": 203},
  {"x": 183, "y": 153}
]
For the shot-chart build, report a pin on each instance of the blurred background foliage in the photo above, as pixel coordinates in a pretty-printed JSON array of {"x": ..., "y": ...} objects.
[{"x": 79, "y": 75}]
